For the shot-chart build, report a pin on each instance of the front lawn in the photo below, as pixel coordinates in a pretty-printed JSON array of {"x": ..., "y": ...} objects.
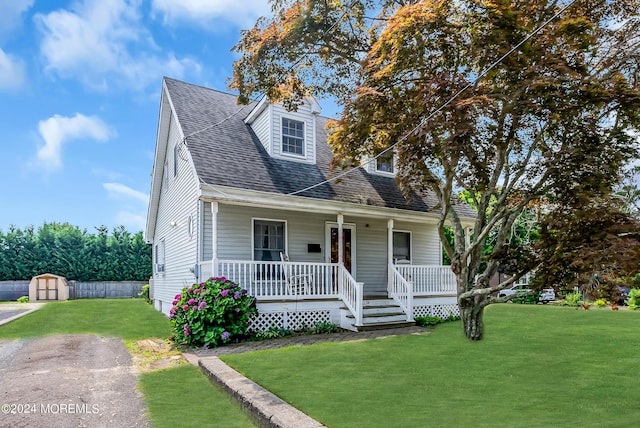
[
  {"x": 538, "y": 366},
  {"x": 178, "y": 396},
  {"x": 129, "y": 319}
]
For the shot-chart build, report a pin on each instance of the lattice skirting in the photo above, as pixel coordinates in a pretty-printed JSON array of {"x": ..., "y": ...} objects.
[
  {"x": 441, "y": 311},
  {"x": 290, "y": 320}
]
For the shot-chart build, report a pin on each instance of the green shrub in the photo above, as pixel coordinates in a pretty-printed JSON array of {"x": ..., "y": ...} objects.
[
  {"x": 272, "y": 333},
  {"x": 634, "y": 299},
  {"x": 428, "y": 321},
  {"x": 323, "y": 327},
  {"x": 211, "y": 313},
  {"x": 145, "y": 294},
  {"x": 572, "y": 299},
  {"x": 526, "y": 299},
  {"x": 600, "y": 303},
  {"x": 23, "y": 299}
]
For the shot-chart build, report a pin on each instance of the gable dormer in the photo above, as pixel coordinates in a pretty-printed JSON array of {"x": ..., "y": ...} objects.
[
  {"x": 286, "y": 134},
  {"x": 385, "y": 164}
]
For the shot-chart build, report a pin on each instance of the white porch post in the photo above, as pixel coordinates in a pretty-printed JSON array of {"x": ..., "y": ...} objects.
[
  {"x": 340, "y": 240},
  {"x": 389, "y": 254},
  {"x": 214, "y": 238},
  {"x": 467, "y": 242}
]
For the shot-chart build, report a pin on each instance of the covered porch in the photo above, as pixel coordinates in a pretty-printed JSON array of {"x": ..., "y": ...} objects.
[
  {"x": 312, "y": 262},
  {"x": 271, "y": 282}
]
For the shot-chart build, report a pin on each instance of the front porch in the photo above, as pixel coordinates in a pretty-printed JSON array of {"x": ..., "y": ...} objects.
[{"x": 295, "y": 294}]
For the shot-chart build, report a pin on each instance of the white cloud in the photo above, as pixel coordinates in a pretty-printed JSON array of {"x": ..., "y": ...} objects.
[
  {"x": 133, "y": 214},
  {"x": 58, "y": 130},
  {"x": 104, "y": 42},
  {"x": 121, "y": 191},
  {"x": 10, "y": 13},
  {"x": 12, "y": 72},
  {"x": 131, "y": 221},
  {"x": 243, "y": 13}
]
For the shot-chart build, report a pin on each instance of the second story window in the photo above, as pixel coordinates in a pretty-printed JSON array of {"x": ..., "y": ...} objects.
[
  {"x": 384, "y": 163},
  {"x": 292, "y": 137}
]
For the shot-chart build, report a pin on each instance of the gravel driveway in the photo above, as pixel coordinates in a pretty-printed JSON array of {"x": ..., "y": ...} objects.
[{"x": 68, "y": 381}]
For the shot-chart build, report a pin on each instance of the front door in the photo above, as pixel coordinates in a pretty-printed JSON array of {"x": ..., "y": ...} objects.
[{"x": 348, "y": 245}]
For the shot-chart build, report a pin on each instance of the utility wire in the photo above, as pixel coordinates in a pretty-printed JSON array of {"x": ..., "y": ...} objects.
[
  {"x": 445, "y": 104},
  {"x": 263, "y": 93}
]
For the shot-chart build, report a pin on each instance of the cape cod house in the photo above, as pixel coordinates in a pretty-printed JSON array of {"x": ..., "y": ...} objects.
[{"x": 226, "y": 200}]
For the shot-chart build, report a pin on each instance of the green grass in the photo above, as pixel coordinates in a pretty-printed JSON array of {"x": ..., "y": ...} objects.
[
  {"x": 129, "y": 319},
  {"x": 184, "y": 397},
  {"x": 538, "y": 366},
  {"x": 180, "y": 396}
]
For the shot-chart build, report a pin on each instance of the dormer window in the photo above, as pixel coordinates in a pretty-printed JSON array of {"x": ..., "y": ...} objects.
[
  {"x": 292, "y": 136},
  {"x": 384, "y": 163}
]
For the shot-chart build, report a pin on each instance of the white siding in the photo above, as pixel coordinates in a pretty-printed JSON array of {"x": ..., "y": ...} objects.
[
  {"x": 235, "y": 229},
  {"x": 425, "y": 242},
  {"x": 207, "y": 231},
  {"x": 371, "y": 253},
  {"x": 176, "y": 204},
  {"x": 303, "y": 115},
  {"x": 261, "y": 127}
]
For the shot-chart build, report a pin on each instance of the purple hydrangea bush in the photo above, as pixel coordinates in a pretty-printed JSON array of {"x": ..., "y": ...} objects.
[{"x": 211, "y": 313}]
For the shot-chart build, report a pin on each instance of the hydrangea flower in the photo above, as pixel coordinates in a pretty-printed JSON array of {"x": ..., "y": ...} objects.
[
  {"x": 185, "y": 307},
  {"x": 178, "y": 296},
  {"x": 225, "y": 335},
  {"x": 191, "y": 301},
  {"x": 236, "y": 295},
  {"x": 224, "y": 293},
  {"x": 202, "y": 305}
]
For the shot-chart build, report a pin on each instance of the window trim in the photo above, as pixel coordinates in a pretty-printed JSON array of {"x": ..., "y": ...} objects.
[
  {"x": 282, "y": 135},
  {"x": 165, "y": 175},
  {"x": 408, "y": 232},
  {"x": 160, "y": 268},
  {"x": 253, "y": 234},
  {"x": 393, "y": 165},
  {"x": 176, "y": 150}
]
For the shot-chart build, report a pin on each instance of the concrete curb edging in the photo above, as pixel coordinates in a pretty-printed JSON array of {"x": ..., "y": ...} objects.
[{"x": 267, "y": 409}]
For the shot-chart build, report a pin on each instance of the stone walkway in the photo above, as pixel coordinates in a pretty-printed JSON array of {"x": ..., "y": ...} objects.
[{"x": 304, "y": 340}]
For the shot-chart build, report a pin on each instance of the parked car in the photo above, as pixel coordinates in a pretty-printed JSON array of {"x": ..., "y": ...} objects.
[{"x": 547, "y": 295}]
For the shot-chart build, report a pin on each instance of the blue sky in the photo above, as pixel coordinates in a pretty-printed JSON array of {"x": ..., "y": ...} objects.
[{"x": 79, "y": 96}]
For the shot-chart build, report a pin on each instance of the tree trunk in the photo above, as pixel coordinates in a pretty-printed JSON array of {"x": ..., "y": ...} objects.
[{"x": 472, "y": 320}]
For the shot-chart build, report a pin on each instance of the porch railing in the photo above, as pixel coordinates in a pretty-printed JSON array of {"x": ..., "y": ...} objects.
[
  {"x": 290, "y": 280},
  {"x": 402, "y": 292},
  {"x": 351, "y": 293},
  {"x": 278, "y": 280},
  {"x": 428, "y": 280}
]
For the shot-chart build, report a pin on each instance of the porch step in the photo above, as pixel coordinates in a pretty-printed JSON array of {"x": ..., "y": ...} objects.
[
  {"x": 378, "y": 313},
  {"x": 386, "y": 325}
]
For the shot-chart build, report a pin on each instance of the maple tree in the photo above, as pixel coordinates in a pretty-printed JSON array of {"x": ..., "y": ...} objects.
[{"x": 435, "y": 81}]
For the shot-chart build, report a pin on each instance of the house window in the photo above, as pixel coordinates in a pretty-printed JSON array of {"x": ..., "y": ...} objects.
[
  {"x": 160, "y": 257},
  {"x": 384, "y": 163},
  {"x": 292, "y": 137},
  {"x": 165, "y": 176},
  {"x": 401, "y": 246},
  {"x": 268, "y": 239},
  {"x": 176, "y": 149}
]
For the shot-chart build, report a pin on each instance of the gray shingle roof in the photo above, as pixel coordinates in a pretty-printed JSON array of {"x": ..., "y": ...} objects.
[{"x": 230, "y": 154}]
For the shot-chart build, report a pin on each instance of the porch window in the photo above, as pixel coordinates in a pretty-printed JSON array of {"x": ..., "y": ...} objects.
[
  {"x": 401, "y": 246},
  {"x": 292, "y": 136},
  {"x": 268, "y": 239}
]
